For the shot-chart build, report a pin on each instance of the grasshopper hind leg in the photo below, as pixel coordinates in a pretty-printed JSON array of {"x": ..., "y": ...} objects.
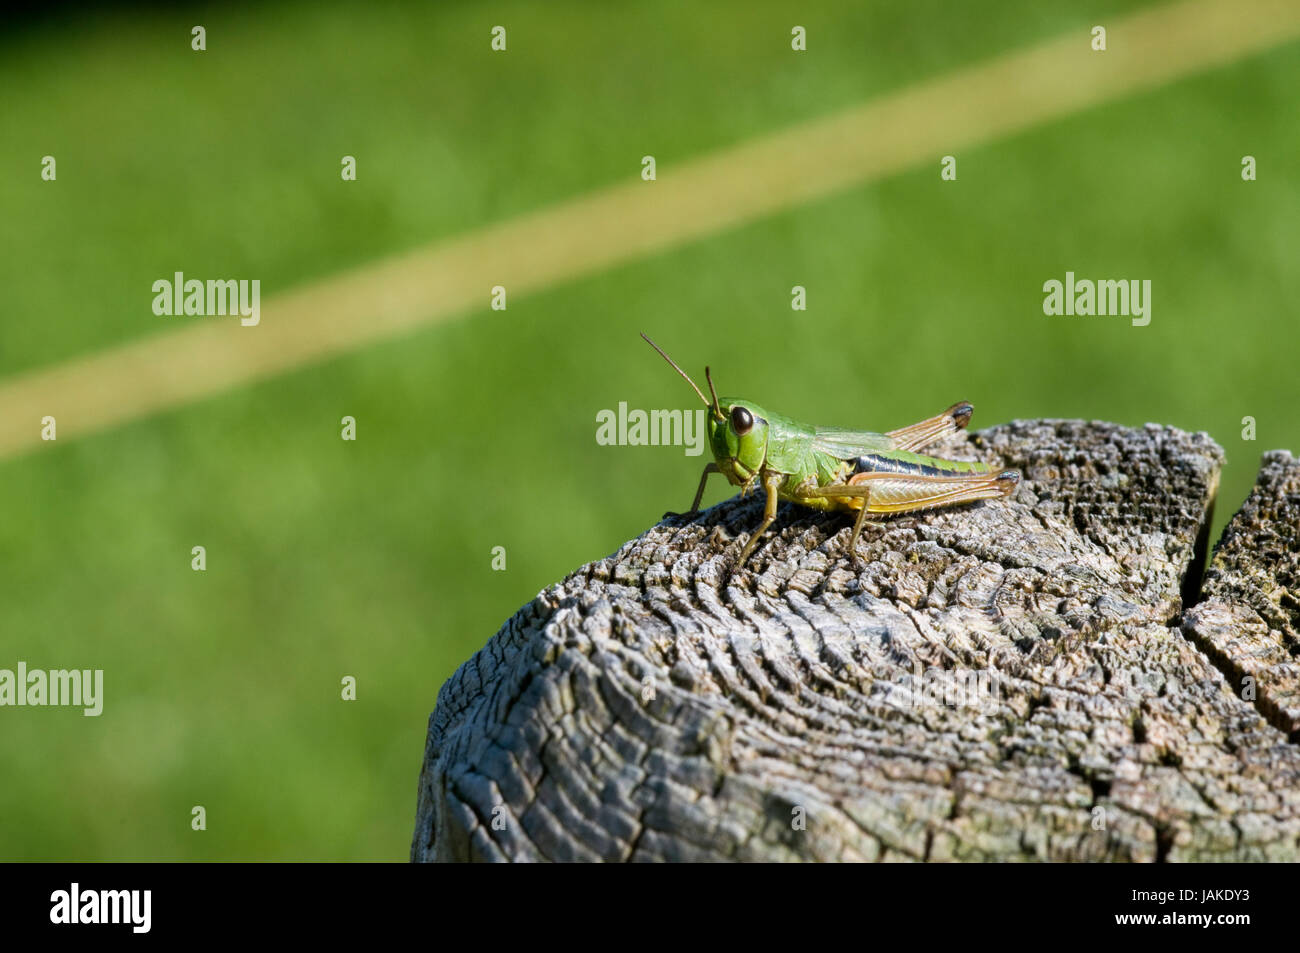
[
  {"x": 886, "y": 492},
  {"x": 918, "y": 436}
]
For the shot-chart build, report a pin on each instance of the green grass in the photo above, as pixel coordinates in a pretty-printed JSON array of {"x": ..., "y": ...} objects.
[{"x": 373, "y": 559}]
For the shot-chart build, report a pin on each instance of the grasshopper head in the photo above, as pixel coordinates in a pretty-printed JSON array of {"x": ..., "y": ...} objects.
[
  {"x": 739, "y": 439},
  {"x": 737, "y": 429}
]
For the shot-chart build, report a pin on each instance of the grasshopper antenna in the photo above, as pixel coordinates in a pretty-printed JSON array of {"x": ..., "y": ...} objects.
[
  {"x": 714, "y": 406},
  {"x": 717, "y": 409}
]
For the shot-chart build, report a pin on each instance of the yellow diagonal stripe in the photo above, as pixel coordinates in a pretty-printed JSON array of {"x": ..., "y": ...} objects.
[{"x": 1012, "y": 92}]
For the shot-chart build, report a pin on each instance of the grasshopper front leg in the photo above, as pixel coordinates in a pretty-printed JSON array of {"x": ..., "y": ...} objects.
[
  {"x": 699, "y": 494},
  {"x": 771, "y": 483}
]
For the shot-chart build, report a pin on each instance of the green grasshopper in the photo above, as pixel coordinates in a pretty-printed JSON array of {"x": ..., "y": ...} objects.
[{"x": 838, "y": 470}]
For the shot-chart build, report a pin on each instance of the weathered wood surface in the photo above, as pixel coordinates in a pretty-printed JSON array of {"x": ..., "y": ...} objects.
[
  {"x": 1013, "y": 680},
  {"x": 1248, "y": 619}
]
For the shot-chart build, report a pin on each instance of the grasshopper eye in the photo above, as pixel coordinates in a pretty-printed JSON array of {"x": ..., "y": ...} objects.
[{"x": 742, "y": 421}]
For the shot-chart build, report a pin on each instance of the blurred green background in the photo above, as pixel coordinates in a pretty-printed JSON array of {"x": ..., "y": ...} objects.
[{"x": 373, "y": 558}]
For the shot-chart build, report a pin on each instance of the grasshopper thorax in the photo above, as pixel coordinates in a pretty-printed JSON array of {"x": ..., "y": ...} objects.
[{"x": 739, "y": 439}]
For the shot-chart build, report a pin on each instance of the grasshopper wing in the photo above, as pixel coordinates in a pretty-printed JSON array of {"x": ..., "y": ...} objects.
[{"x": 849, "y": 444}]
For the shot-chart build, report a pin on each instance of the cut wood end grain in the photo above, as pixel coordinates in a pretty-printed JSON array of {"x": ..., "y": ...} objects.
[{"x": 1015, "y": 679}]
